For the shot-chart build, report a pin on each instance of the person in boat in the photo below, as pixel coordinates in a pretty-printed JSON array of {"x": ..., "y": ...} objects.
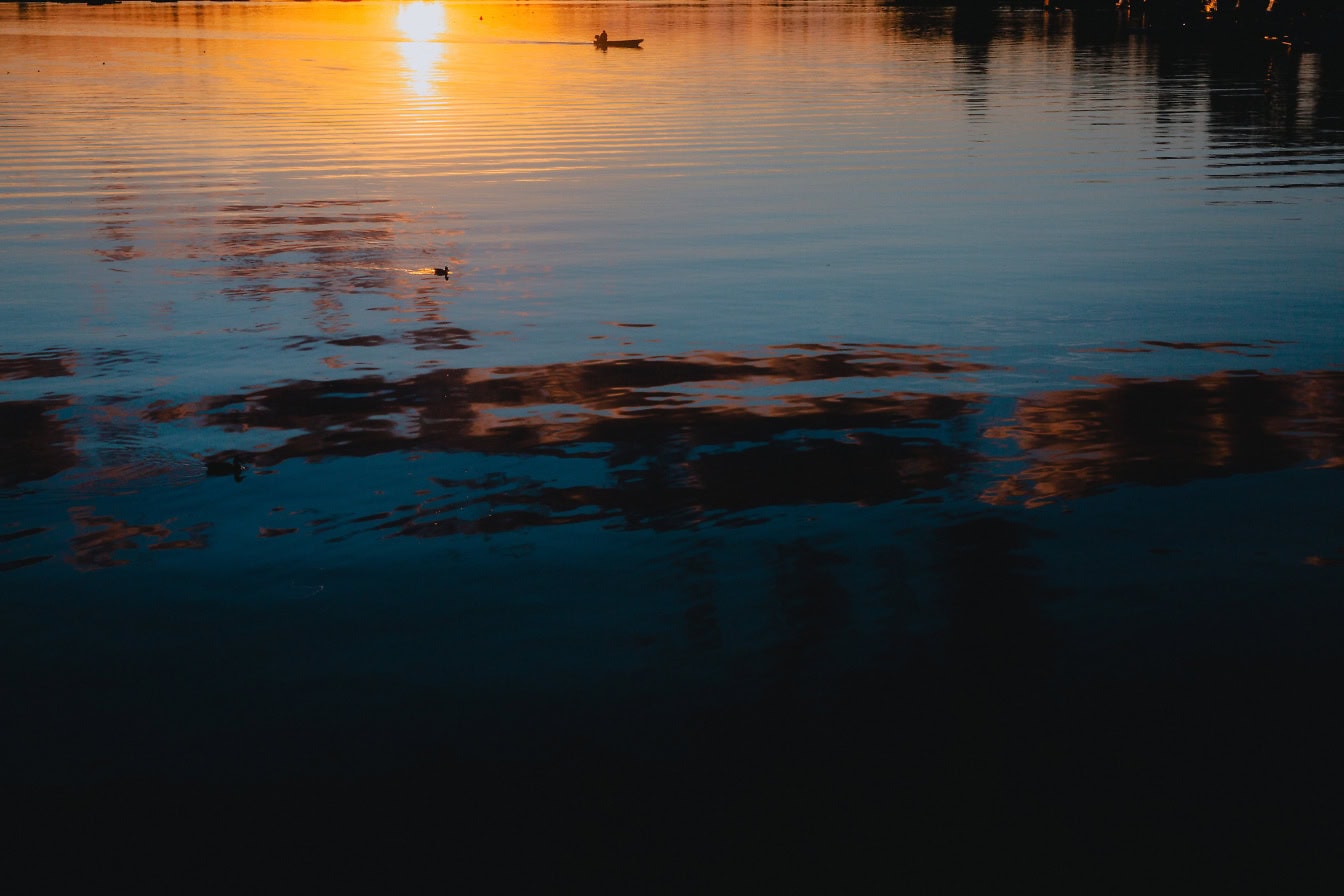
[{"x": 601, "y": 38}]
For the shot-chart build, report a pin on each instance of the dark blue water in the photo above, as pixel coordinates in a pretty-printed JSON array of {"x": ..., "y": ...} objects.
[{"x": 850, "y": 440}]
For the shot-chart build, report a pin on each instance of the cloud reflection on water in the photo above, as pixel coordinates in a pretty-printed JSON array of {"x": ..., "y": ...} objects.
[
  {"x": 1167, "y": 432},
  {"x": 683, "y": 441}
]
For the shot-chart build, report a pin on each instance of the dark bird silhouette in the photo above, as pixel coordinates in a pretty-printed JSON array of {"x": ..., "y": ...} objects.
[
  {"x": 443, "y": 272},
  {"x": 232, "y": 467}
]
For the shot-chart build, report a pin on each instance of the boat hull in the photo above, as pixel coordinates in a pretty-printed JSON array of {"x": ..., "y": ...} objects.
[{"x": 603, "y": 44}]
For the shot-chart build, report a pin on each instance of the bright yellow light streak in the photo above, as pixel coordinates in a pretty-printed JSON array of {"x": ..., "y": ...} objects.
[
  {"x": 420, "y": 23},
  {"x": 421, "y": 20}
]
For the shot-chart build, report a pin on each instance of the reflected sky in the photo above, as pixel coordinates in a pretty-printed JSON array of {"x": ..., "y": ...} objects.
[
  {"x": 893, "y": 398},
  {"x": 670, "y": 442},
  {"x": 862, "y": 255}
]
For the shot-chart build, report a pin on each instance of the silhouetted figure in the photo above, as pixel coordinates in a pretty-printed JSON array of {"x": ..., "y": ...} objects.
[{"x": 232, "y": 467}]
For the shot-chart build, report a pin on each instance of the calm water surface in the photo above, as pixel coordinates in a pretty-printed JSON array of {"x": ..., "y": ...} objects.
[{"x": 951, "y": 398}]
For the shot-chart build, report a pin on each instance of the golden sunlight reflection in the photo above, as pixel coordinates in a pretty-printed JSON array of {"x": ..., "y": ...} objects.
[{"x": 421, "y": 23}]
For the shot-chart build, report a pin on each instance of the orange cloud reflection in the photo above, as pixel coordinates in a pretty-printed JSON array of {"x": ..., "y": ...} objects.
[{"x": 1167, "y": 432}]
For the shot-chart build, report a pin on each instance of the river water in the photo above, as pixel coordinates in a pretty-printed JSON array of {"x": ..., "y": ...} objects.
[{"x": 891, "y": 399}]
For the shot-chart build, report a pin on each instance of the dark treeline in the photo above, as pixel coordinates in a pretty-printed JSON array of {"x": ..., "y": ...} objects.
[
  {"x": 1294, "y": 21},
  {"x": 1306, "y": 23}
]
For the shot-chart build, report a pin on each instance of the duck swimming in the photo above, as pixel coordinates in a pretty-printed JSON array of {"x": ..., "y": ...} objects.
[
  {"x": 232, "y": 467},
  {"x": 443, "y": 272}
]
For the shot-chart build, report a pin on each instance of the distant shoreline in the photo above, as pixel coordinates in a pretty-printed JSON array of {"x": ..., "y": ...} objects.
[{"x": 1313, "y": 23}]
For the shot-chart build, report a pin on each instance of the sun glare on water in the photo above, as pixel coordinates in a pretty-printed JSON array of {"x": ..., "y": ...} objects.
[
  {"x": 421, "y": 20},
  {"x": 420, "y": 23}
]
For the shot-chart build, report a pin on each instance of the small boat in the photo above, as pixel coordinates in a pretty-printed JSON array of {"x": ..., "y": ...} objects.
[{"x": 618, "y": 43}]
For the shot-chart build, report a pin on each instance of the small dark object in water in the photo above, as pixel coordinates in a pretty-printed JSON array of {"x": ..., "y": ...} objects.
[
  {"x": 443, "y": 272},
  {"x": 231, "y": 467}
]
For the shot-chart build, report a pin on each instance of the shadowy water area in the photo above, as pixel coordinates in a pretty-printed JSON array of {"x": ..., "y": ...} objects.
[{"x": 831, "y": 439}]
